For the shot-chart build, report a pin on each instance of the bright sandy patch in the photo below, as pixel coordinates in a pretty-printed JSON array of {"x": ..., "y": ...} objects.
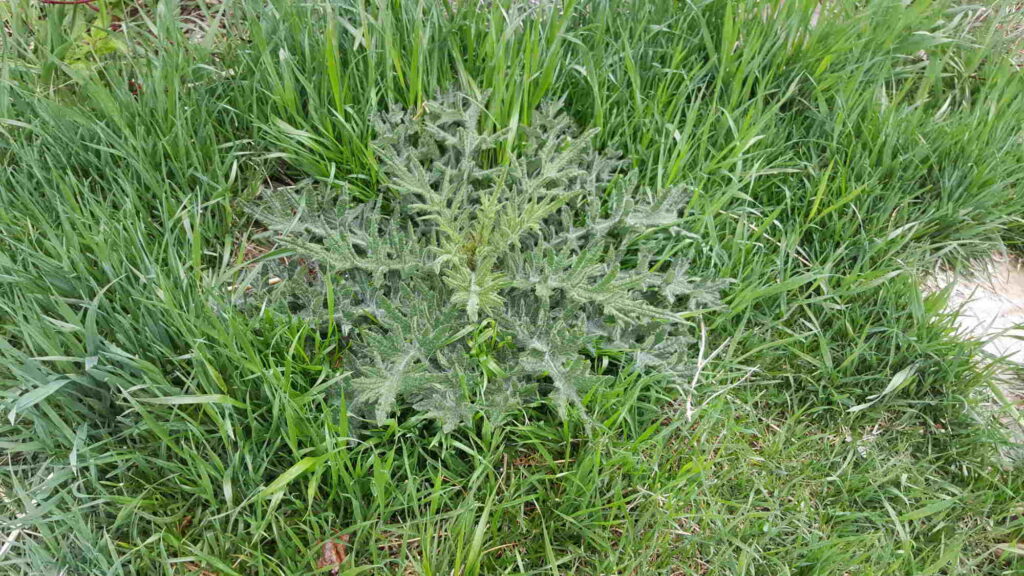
[{"x": 991, "y": 308}]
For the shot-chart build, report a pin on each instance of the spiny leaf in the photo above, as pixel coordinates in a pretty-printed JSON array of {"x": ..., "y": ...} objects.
[{"x": 538, "y": 248}]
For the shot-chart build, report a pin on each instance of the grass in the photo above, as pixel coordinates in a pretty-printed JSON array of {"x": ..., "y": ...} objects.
[{"x": 836, "y": 155}]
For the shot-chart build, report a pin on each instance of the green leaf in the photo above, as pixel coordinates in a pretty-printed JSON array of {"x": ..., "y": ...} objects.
[
  {"x": 290, "y": 474},
  {"x": 34, "y": 396},
  {"x": 196, "y": 399},
  {"x": 12, "y": 447},
  {"x": 933, "y": 508},
  {"x": 950, "y": 552},
  {"x": 898, "y": 381}
]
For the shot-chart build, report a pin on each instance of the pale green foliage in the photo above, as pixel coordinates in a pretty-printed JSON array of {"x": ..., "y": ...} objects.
[{"x": 489, "y": 273}]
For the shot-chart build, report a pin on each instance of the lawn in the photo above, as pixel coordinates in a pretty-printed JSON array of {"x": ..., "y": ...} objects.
[{"x": 434, "y": 287}]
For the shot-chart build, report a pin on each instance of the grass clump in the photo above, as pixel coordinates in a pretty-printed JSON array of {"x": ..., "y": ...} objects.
[{"x": 827, "y": 420}]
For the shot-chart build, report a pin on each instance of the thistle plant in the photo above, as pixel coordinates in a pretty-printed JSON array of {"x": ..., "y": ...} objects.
[{"x": 493, "y": 269}]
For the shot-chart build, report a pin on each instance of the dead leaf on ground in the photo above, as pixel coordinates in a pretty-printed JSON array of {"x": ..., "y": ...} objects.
[
  {"x": 332, "y": 554},
  {"x": 194, "y": 568}
]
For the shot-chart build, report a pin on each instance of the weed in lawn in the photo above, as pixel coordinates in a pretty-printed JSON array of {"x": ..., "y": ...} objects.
[{"x": 467, "y": 288}]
